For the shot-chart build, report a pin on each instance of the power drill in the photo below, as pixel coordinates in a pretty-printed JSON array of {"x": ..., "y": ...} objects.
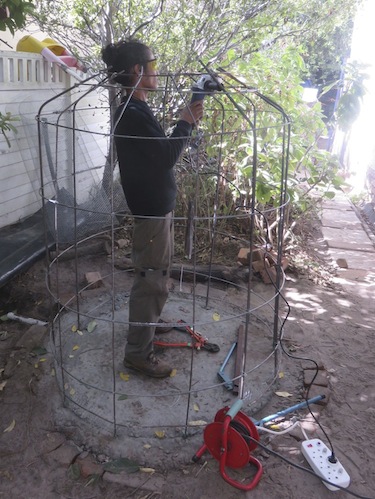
[{"x": 204, "y": 86}]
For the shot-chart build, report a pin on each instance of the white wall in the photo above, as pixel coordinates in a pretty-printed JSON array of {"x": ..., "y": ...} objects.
[{"x": 27, "y": 81}]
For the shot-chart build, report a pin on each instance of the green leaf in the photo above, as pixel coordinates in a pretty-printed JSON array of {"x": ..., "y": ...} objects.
[
  {"x": 122, "y": 397},
  {"x": 74, "y": 471},
  {"x": 39, "y": 351},
  {"x": 121, "y": 464},
  {"x": 92, "y": 480},
  {"x": 91, "y": 326}
]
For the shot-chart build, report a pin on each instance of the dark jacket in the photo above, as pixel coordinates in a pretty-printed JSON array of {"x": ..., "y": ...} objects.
[{"x": 147, "y": 157}]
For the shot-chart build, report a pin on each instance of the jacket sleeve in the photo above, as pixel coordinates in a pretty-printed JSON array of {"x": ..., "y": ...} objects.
[{"x": 142, "y": 132}]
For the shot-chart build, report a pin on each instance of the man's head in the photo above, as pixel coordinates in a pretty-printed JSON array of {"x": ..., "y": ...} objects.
[{"x": 130, "y": 62}]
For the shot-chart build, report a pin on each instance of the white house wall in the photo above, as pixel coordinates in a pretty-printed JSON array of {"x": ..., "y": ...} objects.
[{"x": 26, "y": 83}]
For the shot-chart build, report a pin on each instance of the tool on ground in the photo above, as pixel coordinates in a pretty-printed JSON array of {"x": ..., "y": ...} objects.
[
  {"x": 198, "y": 343},
  {"x": 228, "y": 381},
  {"x": 293, "y": 408},
  {"x": 206, "y": 85},
  {"x": 230, "y": 439},
  {"x": 240, "y": 362}
]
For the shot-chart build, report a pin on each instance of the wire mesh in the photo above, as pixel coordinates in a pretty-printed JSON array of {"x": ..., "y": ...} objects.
[{"x": 220, "y": 177}]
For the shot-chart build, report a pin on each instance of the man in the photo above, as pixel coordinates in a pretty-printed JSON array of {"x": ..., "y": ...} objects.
[{"x": 146, "y": 160}]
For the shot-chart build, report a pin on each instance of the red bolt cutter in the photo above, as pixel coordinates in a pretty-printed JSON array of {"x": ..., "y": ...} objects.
[{"x": 198, "y": 343}]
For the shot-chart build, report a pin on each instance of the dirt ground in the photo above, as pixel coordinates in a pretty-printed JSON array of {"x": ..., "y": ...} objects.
[{"x": 329, "y": 323}]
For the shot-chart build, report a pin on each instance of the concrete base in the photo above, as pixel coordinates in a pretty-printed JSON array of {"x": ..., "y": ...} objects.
[{"x": 109, "y": 399}]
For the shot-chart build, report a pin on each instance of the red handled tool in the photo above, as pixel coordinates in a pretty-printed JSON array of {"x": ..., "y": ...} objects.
[
  {"x": 198, "y": 342},
  {"x": 230, "y": 439}
]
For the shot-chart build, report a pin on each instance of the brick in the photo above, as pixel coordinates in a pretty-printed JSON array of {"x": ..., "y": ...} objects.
[
  {"x": 122, "y": 243},
  {"x": 342, "y": 263},
  {"x": 320, "y": 380},
  {"x": 306, "y": 365},
  {"x": 259, "y": 265},
  {"x": 257, "y": 255},
  {"x": 269, "y": 275},
  {"x": 93, "y": 279},
  {"x": 244, "y": 256},
  {"x": 89, "y": 466}
]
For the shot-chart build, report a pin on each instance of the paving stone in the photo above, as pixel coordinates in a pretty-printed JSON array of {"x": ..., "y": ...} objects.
[
  {"x": 337, "y": 219},
  {"x": 354, "y": 240}
]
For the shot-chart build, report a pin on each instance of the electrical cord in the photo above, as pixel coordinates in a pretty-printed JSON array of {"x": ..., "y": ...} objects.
[
  {"x": 295, "y": 357},
  {"x": 268, "y": 255},
  {"x": 245, "y": 434}
]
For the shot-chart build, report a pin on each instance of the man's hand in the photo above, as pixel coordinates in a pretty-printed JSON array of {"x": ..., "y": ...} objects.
[{"x": 193, "y": 112}]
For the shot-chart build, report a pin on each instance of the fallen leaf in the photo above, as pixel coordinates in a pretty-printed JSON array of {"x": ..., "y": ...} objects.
[
  {"x": 197, "y": 423},
  {"x": 79, "y": 332},
  {"x": 160, "y": 433},
  {"x": 284, "y": 394},
  {"x": 76, "y": 347},
  {"x": 281, "y": 375},
  {"x": 147, "y": 470},
  {"x": 36, "y": 366},
  {"x": 39, "y": 351},
  {"x": 124, "y": 377},
  {"x": 147, "y": 446},
  {"x": 74, "y": 471},
  {"x": 71, "y": 356},
  {"x": 2, "y": 385},
  {"x": 91, "y": 326},
  {"x": 196, "y": 407},
  {"x": 4, "y": 318},
  {"x": 74, "y": 328},
  {"x": 173, "y": 373},
  {"x": 53, "y": 372},
  {"x": 72, "y": 391},
  {"x": 122, "y": 397},
  {"x": 216, "y": 316},
  {"x": 92, "y": 479},
  {"x": 10, "y": 427},
  {"x": 4, "y": 335},
  {"x": 43, "y": 359}
]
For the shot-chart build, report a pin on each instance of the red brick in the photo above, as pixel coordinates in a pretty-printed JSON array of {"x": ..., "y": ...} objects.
[{"x": 93, "y": 279}]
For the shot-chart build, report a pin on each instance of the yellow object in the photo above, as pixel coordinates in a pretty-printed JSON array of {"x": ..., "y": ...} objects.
[{"x": 30, "y": 44}]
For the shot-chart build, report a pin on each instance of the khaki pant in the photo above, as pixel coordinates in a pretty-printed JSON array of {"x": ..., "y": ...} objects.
[{"x": 152, "y": 254}]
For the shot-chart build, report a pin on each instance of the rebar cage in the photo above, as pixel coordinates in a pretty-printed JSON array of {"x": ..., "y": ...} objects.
[{"x": 225, "y": 202}]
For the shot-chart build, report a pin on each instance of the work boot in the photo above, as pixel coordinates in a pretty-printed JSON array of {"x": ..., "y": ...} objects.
[
  {"x": 152, "y": 366},
  {"x": 163, "y": 329}
]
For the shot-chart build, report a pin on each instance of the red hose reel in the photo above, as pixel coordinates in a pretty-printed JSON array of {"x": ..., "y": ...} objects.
[{"x": 228, "y": 441}]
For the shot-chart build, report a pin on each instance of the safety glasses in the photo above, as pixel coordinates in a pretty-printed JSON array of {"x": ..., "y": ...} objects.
[{"x": 153, "y": 64}]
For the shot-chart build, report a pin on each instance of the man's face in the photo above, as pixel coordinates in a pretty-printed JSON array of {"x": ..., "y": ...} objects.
[{"x": 150, "y": 79}]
